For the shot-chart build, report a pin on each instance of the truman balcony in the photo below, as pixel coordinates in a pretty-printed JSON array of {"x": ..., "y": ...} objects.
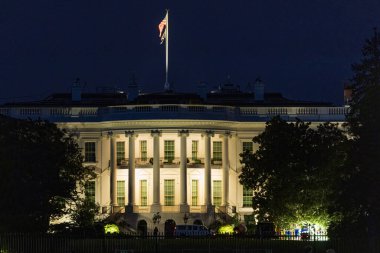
[{"x": 175, "y": 162}]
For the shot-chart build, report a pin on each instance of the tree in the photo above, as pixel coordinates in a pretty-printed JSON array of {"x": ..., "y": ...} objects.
[
  {"x": 42, "y": 172},
  {"x": 293, "y": 171},
  {"x": 357, "y": 203}
]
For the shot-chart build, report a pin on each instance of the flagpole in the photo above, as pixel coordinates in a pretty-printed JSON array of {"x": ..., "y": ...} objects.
[{"x": 167, "y": 85}]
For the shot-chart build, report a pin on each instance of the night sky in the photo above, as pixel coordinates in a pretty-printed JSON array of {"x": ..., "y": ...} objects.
[{"x": 301, "y": 48}]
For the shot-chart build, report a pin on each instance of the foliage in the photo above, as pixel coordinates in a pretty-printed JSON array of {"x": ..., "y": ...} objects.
[
  {"x": 293, "y": 171},
  {"x": 111, "y": 229},
  {"x": 357, "y": 205},
  {"x": 42, "y": 172},
  {"x": 84, "y": 212},
  {"x": 226, "y": 229}
]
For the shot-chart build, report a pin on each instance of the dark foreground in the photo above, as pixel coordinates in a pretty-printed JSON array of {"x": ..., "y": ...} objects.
[{"x": 26, "y": 243}]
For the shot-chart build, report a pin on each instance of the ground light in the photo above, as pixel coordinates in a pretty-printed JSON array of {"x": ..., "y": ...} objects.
[
  {"x": 226, "y": 229},
  {"x": 111, "y": 229}
]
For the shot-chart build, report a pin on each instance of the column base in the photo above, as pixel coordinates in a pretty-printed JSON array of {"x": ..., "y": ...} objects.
[
  {"x": 184, "y": 208},
  {"x": 210, "y": 209},
  {"x": 155, "y": 208},
  {"x": 129, "y": 209}
]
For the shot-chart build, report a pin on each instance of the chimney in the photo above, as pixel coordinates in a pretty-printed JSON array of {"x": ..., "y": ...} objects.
[
  {"x": 133, "y": 89},
  {"x": 76, "y": 91},
  {"x": 259, "y": 90}
]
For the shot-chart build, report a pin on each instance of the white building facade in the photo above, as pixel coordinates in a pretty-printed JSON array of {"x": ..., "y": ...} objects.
[{"x": 181, "y": 161}]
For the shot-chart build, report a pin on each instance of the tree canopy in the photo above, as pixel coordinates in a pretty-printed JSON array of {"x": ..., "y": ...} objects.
[
  {"x": 293, "y": 171},
  {"x": 41, "y": 172},
  {"x": 356, "y": 203}
]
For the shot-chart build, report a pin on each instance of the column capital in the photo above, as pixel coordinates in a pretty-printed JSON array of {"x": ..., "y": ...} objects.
[
  {"x": 209, "y": 133},
  {"x": 110, "y": 134},
  {"x": 155, "y": 132},
  {"x": 226, "y": 134},
  {"x": 130, "y": 133},
  {"x": 183, "y": 132}
]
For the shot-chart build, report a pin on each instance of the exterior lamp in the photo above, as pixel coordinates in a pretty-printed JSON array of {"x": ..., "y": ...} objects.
[
  {"x": 156, "y": 218},
  {"x": 185, "y": 218}
]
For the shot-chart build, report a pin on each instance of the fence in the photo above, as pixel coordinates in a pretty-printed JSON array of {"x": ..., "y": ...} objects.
[{"x": 32, "y": 243}]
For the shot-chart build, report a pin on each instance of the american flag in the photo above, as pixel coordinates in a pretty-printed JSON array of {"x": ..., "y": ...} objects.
[{"x": 162, "y": 28}]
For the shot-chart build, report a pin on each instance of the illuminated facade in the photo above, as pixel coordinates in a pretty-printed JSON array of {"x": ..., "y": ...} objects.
[{"x": 172, "y": 153}]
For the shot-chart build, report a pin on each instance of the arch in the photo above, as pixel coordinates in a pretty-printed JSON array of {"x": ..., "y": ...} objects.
[
  {"x": 198, "y": 222},
  {"x": 169, "y": 227},
  {"x": 142, "y": 227}
]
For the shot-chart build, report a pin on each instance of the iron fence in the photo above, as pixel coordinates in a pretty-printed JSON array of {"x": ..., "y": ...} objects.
[{"x": 51, "y": 243}]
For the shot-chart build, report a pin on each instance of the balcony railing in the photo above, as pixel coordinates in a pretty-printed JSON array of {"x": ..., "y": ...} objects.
[
  {"x": 205, "y": 112},
  {"x": 169, "y": 163}
]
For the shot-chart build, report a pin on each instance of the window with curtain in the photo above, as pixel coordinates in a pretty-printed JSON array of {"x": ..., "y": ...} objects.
[
  {"x": 247, "y": 197},
  {"x": 89, "y": 152},
  {"x": 194, "y": 150},
  {"x": 120, "y": 151},
  {"x": 169, "y": 151},
  {"x": 248, "y": 145},
  {"x": 121, "y": 193},
  {"x": 217, "y": 192},
  {"x": 169, "y": 192},
  {"x": 143, "y": 150},
  {"x": 194, "y": 192},
  {"x": 89, "y": 190},
  {"x": 143, "y": 192},
  {"x": 217, "y": 151}
]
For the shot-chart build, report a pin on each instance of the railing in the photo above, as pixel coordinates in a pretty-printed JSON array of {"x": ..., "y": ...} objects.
[
  {"x": 147, "y": 242},
  {"x": 206, "y": 112},
  {"x": 169, "y": 163}
]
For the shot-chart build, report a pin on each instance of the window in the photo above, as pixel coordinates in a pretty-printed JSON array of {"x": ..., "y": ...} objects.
[
  {"x": 121, "y": 193},
  {"x": 169, "y": 192},
  {"x": 143, "y": 192},
  {"x": 248, "y": 145},
  {"x": 194, "y": 150},
  {"x": 194, "y": 192},
  {"x": 217, "y": 151},
  {"x": 89, "y": 191},
  {"x": 89, "y": 152},
  {"x": 247, "y": 197},
  {"x": 120, "y": 151},
  {"x": 217, "y": 192},
  {"x": 169, "y": 151},
  {"x": 143, "y": 151}
]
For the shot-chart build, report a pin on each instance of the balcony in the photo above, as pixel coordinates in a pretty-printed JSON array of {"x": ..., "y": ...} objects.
[{"x": 216, "y": 163}]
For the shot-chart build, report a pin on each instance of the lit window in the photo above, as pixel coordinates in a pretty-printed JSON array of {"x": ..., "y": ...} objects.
[
  {"x": 248, "y": 146},
  {"x": 217, "y": 192},
  {"x": 89, "y": 152},
  {"x": 247, "y": 197},
  {"x": 143, "y": 151},
  {"x": 169, "y": 192},
  {"x": 144, "y": 192},
  {"x": 194, "y": 150},
  {"x": 120, "y": 151},
  {"x": 217, "y": 151},
  {"x": 121, "y": 193},
  {"x": 169, "y": 151},
  {"x": 194, "y": 192},
  {"x": 89, "y": 191}
]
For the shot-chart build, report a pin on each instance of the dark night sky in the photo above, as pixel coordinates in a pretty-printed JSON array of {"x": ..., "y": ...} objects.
[{"x": 302, "y": 48}]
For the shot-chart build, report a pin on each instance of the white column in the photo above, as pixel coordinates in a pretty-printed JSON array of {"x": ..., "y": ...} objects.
[
  {"x": 184, "y": 207},
  {"x": 226, "y": 166},
  {"x": 156, "y": 206},
  {"x": 113, "y": 176},
  {"x": 131, "y": 170},
  {"x": 208, "y": 134}
]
